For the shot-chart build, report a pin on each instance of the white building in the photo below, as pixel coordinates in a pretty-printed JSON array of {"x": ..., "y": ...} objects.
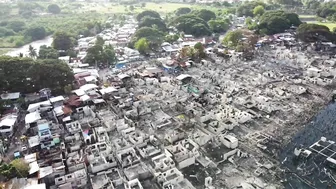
[{"x": 7, "y": 125}]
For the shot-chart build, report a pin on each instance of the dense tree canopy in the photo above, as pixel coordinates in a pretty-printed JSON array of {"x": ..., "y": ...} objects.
[
  {"x": 314, "y": 32},
  {"x": 54, "y": 9},
  {"x": 205, "y": 14},
  {"x": 289, "y": 2},
  {"x": 142, "y": 46},
  {"x": 272, "y": 22},
  {"x": 94, "y": 55},
  {"x": 218, "y": 25},
  {"x": 21, "y": 167},
  {"x": 191, "y": 24},
  {"x": 16, "y": 25},
  {"x": 131, "y": 8},
  {"x": 246, "y": 9},
  {"x": 17, "y": 168},
  {"x": 200, "y": 30},
  {"x": 5, "y": 9},
  {"x": 4, "y": 32},
  {"x": 47, "y": 53},
  {"x": 151, "y": 21},
  {"x": 99, "y": 54},
  {"x": 149, "y": 13},
  {"x": 27, "y": 75},
  {"x": 153, "y": 36},
  {"x": 258, "y": 10},
  {"x": 36, "y": 33},
  {"x": 109, "y": 55},
  {"x": 182, "y": 10},
  {"x": 171, "y": 38},
  {"x": 233, "y": 38},
  {"x": 100, "y": 41},
  {"x": 326, "y": 9},
  {"x": 312, "y": 4},
  {"x": 199, "y": 50},
  {"x": 62, "y": 41}
]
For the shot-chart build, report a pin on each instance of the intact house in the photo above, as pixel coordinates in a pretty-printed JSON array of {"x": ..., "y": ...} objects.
[{"x": 7, "y": 124}]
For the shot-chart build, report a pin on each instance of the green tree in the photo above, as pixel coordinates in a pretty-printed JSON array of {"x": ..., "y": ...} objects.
[
  {"x": 246, "y": 8},
  {"x": 5, "y": 9},
  {"x": 312, "y": 4},
  {"x": 226, "y": 4},
  {"x": 4, "y": 32},
  {"x": 16, "y": 25},
  {"x": 182, "y": 10},
  {"x": 72, "y": 53},
  {"x": 293, "y": 19},
  {"x": 248, "y": 21},
  {"x": 314, "y": 32},
  {"x": 233, "y": 38},
  {"x": 131, "y": 8},
  {"x": 21, "y": 167},
  {"x": 94, "y": 55},
  {"x": 184, "y": 52},
  {"x": 191, "y": 24},
  {"x": 171, "y": 38},
  {"x": 205, "y": 14},
  {"x": 48, "y": 53},
  {"x": 289, "y": 2},
  {"x": 62, "y": 41},
  {"x": 32, "y": 52},
  {"x": 26, "y": 9},
  {"x": 26, "y": 75},
  {"x": 7, "y": 170},
  {"x": 325, "y": 11},
  {"x": 218, "y": 26},
  {"x": 108, "y": 25},
  {"x": 54, "y": 9},
  {"x": 100, "y": 41},
  {"x": 36, "y": 33},
  {"x": 68, "y": 89},
  {"x": 200, "y": 50},
  {"x": 272, "y": 22},
  {"x": 201, "y": 30},
  {"x": 151, "y": 21},
  {"x": 149, "y": 13},
  {"x": 142, "y": 46},
  {"x": 258, "y": 10},
  {"x": 191, "y": 52},
  {"x": 109, "y": 55},
  {"x": 153, "y": 36}
]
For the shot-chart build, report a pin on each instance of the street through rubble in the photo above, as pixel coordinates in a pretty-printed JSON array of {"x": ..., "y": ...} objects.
[{"x": 310, "y": 173}]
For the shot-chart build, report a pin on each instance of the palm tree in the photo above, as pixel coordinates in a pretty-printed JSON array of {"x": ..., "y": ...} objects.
[
  {"x": 32, "y": 52},
  {"x": 192, "y": 52},
  {"x": 184, "y": 52}
]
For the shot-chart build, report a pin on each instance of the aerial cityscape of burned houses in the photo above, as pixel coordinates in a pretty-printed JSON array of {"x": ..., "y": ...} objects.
[{"x": 167, "y": 124}]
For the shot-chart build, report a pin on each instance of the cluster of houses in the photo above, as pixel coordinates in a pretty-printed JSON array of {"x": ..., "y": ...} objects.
[
  {"x": 120, "y": 37},
  {"x": 125, "y": 135},
  {"x": 153, "y": 124}
]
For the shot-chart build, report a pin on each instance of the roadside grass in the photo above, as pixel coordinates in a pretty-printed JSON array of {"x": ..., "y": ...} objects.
[
  {"x": 330, "y": 25},
  {"x": 4, "y": 50},
  {"x": 5, "y": 42},
  {"x": 307, "y": 16}
]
